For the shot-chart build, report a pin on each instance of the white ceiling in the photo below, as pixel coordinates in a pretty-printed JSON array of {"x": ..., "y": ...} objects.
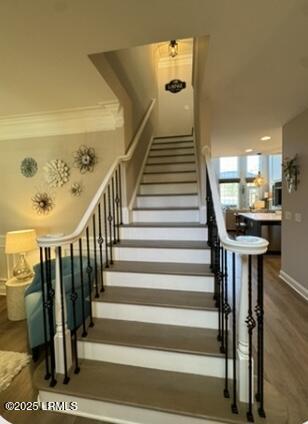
[{"x": 257, "y": 69}]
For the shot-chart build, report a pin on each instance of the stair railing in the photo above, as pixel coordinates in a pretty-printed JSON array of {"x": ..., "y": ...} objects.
[
  {"x": 233, "y": 296},
  {"x": 72, "y": 266}
]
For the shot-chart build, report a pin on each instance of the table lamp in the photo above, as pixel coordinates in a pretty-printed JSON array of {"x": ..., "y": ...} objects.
[{"x": 21, "y": 242}]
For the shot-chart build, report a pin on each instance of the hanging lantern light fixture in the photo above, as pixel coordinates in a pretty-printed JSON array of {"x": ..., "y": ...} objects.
[
  {"x": 259, "y": 181},
  {"x": 173, "y": 48}
]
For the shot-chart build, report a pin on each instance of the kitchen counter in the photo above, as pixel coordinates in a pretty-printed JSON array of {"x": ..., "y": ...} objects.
[{"x": 265, "y": 225}]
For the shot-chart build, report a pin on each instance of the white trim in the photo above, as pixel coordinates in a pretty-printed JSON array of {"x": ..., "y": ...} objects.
[
  {"x": 295, "y": 285},
  {"x": 102, "y": 117},
  {"x": 119, "y": 413},
  {"x": 134, "y": 195},
  {"x": 200, "y": 318},
  {"x": 153, "y": 358}
]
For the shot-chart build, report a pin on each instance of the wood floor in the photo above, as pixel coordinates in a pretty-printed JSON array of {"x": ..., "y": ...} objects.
[{"x": 286, "y": 355}]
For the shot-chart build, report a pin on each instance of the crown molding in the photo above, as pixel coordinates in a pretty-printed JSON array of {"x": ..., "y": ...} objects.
[{"x": 102, "y": 117}]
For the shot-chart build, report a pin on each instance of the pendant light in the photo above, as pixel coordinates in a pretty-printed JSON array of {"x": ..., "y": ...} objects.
[
  {"x": 173, "y": 48},
  {"x": 259, "y": 181}
]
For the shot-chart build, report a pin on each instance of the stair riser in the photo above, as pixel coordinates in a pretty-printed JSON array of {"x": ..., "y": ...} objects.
[
  {"x": 163, "y": 233},
  {"x": 169, "y": 177},
  {"x": 171, "y": 159},
  {"x": 211, "y": 366},
  {"x": 172, "y": 188},
  {"x": 193, "y": 256},
  {"x": 119, "y": 413},
  {"x": 171, "y": 167},
  {"x": 156, "y": 314},
  {"x": 166, "y": 216},
  {"x": 202, "y": 284},
  {"x": 168, "y": 152},
  {"x": 167, "y": 201},
  {"x": 172, "y": 145}
]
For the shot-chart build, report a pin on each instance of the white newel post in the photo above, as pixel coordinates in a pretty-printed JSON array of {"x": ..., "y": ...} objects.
[
  {"x": 243, "y": 346},
  {"x": 58, "y": 339}
]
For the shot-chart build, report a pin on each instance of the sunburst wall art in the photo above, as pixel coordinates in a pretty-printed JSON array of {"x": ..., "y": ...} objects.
[
  {"x": 42, "y": 203},
  {"x": 85, "y": 159}
]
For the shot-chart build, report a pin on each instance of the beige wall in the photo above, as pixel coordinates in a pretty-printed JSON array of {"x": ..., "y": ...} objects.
[
  {"x": 135, "y": 68},
  {"x": 294, "y": 234},
  {"x": 16, "y": 210},
  {"x": 131, "y": 75},
  {"x": 175, "y": 111}
]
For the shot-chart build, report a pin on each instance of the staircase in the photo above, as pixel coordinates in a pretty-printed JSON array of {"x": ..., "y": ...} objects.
[{"x": 152, "y": 356}]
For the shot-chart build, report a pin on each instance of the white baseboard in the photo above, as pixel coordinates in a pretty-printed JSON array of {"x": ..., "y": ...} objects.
[{"x": 295, "y": 285}]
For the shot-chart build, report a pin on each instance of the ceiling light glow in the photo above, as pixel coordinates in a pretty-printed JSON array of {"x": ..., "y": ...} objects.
[
  {"x": 248, "y": 150},
  {"x": 265, "y": 138}
]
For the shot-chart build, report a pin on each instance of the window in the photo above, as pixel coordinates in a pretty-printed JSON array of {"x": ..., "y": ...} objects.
[
  {"x": 229, "y": 194},
  {"x": 228, "y": 167},
  {"x": 252, "y": 194},
  {"x": 275, "y": 167},
  {"x": 252, "y": 166}
]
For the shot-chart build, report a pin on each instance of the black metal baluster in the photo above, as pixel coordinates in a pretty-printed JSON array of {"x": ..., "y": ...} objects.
[
  {"x": 250, "y": 325},
  {"x": 100, "y": 243},
  {"x": 50, "y": 302},
  {"x": 110, "y": 224},
  {"x": 218, "y": 286},
  {"x": 113, "y": 212},
  {"x": 45, "y": 310},
  {"x": 95, "y": 256},
  {"x": 106, "y": 232},
  {"x": 74, "y": 298},
  {"x": 227, "y": 310},
  {"x": 66, "y": 377},
  {"x": 120, "y": 195},
  {"x": 89, "y": 272},
  {"x": 117, "y": 200},
  {"x": 222, "y": 299},
  {"x": 84, "y": 331},
  {"x": 234, "y": 407},
  {"x": 260, "y": 318}
]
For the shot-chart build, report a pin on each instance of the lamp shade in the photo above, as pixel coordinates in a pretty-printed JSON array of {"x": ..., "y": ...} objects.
[{"x": 20, "y": 241}]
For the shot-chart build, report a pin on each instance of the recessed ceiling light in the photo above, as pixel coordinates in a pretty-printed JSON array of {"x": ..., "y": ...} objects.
[
  {"x": 265, "y": 138},
  {"x": 248, "y": 150}
]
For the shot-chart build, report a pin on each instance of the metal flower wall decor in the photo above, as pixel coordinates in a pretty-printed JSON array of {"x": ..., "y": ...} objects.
[
  {"x": 291, "y": 172},
  {"x": 85, "y": 159},
  {"x": 57, "y": 173},
  {"x": 76, "y": 189},
  {"x": 28, "y": 167},
  {"x": 42, "y": 203}
]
